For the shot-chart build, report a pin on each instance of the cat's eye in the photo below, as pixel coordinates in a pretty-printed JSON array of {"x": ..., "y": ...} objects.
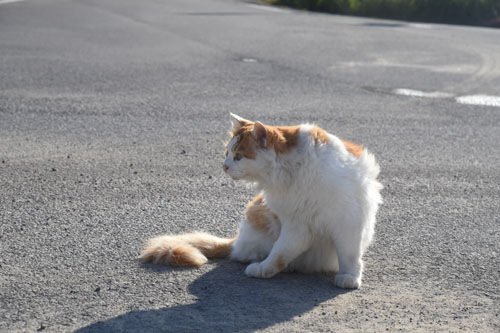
[{"x": 238, "y": 157}]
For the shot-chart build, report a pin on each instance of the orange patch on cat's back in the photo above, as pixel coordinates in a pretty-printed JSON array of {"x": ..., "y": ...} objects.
[
  {"x": 259, "y": 215},
  {"x": 282, "y": 138},
  {"x": 355, "y": 149},
  {"x": 319, "y": 135}
]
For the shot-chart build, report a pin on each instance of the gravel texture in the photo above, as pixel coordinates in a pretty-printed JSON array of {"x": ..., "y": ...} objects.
[{"x": 113, "y": 116}]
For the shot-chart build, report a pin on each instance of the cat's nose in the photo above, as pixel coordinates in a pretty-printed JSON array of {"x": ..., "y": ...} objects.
[{"x": 225, "y": 168}]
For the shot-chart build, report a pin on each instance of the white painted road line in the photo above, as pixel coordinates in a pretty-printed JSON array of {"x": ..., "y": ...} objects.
[
  {"x": 418, "y": 93},
  {"x": 485, "y": 100},
  {"x": 250, "y": 60},
  {"x": 479, "y": 100},
  {"x": 2, "y": 2}
]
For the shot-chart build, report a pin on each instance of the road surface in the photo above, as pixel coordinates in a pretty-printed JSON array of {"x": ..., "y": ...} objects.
[{"x": 113, "y": 115}]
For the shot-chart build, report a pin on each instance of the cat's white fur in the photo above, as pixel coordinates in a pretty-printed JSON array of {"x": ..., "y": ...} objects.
[
  {"x": 326, "y": 200},
  {"x": 315, "y": 212}
]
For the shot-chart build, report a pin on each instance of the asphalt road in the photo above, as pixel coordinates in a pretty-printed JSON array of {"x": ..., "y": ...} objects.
[{"x": 113, "y": 116}]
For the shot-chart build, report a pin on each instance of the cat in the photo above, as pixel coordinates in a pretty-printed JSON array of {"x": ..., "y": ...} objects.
[{"x": 315, "y": 210}]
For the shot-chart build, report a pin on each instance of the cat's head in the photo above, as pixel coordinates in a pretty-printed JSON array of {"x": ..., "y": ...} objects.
[{"x": 254, "y": 148}]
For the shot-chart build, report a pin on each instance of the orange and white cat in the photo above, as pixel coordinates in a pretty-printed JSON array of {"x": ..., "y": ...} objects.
[{"x": 315, "y": 211}]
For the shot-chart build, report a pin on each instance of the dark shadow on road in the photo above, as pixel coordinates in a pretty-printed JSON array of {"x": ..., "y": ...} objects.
[
  {"x": 228, "y": 301},
  {"x": 386, "y": 25},
  {"x": 221, "y": 14}
]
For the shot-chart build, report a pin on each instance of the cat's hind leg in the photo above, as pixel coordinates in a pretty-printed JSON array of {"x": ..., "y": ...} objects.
[
  {"x": 251, "y": 245},
  {"x": 349, "y": 252},
  {"x": 257, "y": 233},
  {"x": 352, "y": 236}
]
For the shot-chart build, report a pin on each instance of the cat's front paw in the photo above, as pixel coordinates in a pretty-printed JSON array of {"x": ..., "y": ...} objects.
[
  {"x": 255, "y": 270},
  {"x": 347, "y": 281}
]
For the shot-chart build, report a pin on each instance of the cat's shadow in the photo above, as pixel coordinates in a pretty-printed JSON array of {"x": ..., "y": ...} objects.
[{"x": 229, "y": 301}]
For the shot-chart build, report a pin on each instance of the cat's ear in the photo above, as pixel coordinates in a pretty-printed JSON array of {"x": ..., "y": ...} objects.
[
  {"x": 260, "y": 134},
  {"x": 238, "y": 122}
]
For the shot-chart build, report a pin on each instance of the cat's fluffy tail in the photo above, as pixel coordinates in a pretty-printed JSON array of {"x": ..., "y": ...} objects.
[{"x": 186, "y": 250}]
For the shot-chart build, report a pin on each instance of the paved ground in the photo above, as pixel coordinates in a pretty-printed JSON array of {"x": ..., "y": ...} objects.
[{"x": 112, "y": 119}]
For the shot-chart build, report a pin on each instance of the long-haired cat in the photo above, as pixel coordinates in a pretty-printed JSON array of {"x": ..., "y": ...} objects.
[{"x": 315, "y": 210}]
